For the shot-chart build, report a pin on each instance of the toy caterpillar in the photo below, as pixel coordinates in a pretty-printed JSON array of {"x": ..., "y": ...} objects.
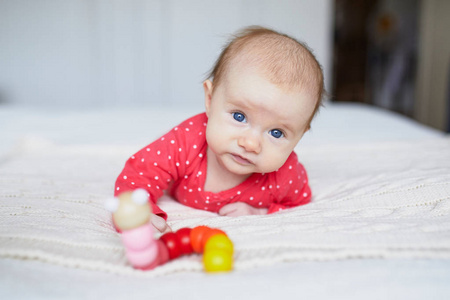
[{"x": 131, "y": 215}]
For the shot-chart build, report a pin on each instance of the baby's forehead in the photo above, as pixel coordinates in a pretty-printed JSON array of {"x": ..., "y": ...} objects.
[
  {"x": 239, "y": 77},
  {"x": 240, "y": 67},
  {"x": 289, "y": 68},
  {"x": 250, "y": 83}
]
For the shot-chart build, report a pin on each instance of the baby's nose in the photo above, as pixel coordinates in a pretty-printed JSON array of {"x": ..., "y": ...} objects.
[{"x": 250, "y": 142}]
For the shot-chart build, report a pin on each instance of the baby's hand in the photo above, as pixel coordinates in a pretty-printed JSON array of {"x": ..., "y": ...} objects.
[
  {"x": 241, "y": 209},
  {"x": 160, "y": 224}
]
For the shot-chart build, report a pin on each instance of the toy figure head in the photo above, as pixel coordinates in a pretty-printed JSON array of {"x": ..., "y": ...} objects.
[{"x": 130, "y": 209}]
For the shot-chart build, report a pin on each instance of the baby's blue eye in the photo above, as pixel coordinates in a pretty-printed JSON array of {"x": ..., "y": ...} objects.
[
  {"x": 276, "y": 133},
  {"x": 239, "y": 117}
]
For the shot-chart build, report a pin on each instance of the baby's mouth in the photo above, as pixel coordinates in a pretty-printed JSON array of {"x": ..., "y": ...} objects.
[{"x": 241, "y": 160}]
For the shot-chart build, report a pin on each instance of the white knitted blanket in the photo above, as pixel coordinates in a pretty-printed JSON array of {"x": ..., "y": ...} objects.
[{"x": 370, "y": 201}]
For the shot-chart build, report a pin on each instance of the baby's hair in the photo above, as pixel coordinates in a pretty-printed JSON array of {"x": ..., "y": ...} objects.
[{"x": 285, "y": 61}]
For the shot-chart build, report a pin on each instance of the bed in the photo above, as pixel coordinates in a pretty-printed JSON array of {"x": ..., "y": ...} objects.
[{"x": 378, "y": 226}]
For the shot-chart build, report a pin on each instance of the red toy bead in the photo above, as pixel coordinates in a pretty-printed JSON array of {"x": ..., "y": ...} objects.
[
  {"x": 184, "y": 239},
  {"x": 170, "y": 239}
]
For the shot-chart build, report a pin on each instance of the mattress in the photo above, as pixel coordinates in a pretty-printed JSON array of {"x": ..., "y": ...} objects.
[{"x": 378, "y": 225}]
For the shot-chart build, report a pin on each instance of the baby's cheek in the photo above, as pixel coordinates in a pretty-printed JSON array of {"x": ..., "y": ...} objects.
[
  {"x": 274, "y": 159},
  {"x": 211, "y": 137},
  {"x": 217, "y": 136}
]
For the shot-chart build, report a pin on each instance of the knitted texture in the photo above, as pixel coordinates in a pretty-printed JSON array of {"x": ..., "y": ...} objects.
[{"x": 380, "y": 200}]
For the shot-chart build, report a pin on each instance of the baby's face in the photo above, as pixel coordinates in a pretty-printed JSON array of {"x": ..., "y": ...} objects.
[{"x": 254, "y": 125}]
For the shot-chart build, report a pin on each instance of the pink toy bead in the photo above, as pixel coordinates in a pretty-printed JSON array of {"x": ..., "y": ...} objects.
[
  {"x": 138, "y": 238},
  {"x": 151, "y": 266},
  {"x": 163, "y": 253},
  {"x": 143, "y": 258}
]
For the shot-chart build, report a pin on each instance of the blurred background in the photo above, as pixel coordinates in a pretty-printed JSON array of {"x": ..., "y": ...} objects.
[{"x": 83, "y": 54}]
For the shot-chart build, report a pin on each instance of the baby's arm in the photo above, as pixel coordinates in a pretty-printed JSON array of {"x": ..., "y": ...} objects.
[
  {"x": 153, "y": 168},
  {"x": 241, "y": 209}
]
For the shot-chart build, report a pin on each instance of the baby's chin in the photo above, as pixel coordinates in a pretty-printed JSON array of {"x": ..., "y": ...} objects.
[
  {"x": 263, "y": 169},
  {"x": 253, "y": 171},
  {"x": 240, "y": 171}
]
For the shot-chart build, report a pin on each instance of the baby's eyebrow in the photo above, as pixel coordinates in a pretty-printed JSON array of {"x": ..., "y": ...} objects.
[
  {"x": 238, "y": 102},
  {"x": 288, "y": 127}
]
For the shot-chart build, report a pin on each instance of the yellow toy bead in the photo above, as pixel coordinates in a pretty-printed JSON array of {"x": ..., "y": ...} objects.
[
  {"x": 219, "y": 241},
  {"x": 217, "y": 260}
]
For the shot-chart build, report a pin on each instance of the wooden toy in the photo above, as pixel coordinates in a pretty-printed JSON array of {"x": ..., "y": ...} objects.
[{"x": 131, "y": 215}]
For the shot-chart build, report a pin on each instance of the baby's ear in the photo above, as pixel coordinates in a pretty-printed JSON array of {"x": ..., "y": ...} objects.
[{"x": 208, "y": 89}]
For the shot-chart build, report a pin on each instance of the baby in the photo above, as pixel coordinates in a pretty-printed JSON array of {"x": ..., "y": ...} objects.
[{"x": 237, "y": 158}]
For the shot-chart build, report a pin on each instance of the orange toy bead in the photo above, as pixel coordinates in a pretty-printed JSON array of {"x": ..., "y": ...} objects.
[{"x": 197, "y": 236}]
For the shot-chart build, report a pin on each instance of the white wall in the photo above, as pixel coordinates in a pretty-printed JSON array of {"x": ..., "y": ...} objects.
[{"x": 115, "y": 52}]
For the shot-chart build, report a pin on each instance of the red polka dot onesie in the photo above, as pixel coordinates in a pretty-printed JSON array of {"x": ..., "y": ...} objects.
[{"x": 177, "y": 162}]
